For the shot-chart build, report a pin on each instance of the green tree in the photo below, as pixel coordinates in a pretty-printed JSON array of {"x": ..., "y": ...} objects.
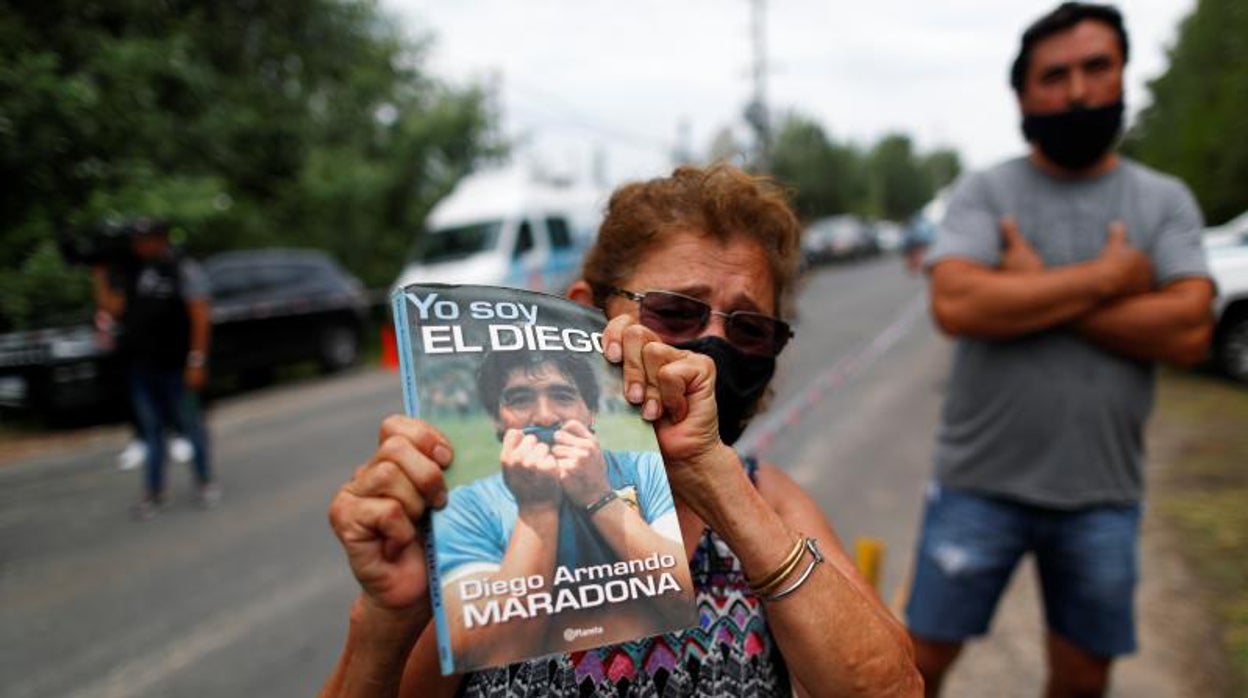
[
  {"x": 826, "y": 177},
  {"x": 1194, "y": 126},
  {"x": 289, "y": 122},
  {"x": 898, "y": 185},
  {"x": 941, "y": 167},
  {"x": 829, "y": 177}
]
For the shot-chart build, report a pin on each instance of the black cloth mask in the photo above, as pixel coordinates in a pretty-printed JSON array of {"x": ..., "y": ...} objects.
[
  {"x": 740, "y": 381},
  {"x": 1075, "y": 139}
]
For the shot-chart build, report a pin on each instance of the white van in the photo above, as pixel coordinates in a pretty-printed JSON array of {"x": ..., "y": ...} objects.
[{"x": 505, "y": 228}]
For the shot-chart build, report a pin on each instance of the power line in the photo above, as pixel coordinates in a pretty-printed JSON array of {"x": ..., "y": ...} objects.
[{"x": 571, "y": 115}]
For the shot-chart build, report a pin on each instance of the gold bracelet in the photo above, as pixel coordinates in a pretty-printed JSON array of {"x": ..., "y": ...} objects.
[
  {"x": 813, "y": 546},
  {"x": 783, "y": 570},
  {"x": 764, "y": 591},
  {"x": 778, "y": 573}
]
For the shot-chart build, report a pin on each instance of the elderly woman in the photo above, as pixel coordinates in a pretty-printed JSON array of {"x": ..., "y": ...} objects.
[{"x": 693, "y": 271}]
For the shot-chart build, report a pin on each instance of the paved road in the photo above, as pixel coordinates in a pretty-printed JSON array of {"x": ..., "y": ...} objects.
[{"x": 251, "y": 598}]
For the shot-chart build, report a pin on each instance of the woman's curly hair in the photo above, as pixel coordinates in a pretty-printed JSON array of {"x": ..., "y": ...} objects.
[{"x": 720, "y": 201}]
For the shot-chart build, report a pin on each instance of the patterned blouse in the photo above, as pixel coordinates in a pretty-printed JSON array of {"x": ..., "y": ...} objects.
[{"x": 730, "y": 653}]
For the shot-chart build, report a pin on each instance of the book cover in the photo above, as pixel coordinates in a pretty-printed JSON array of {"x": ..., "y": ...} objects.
[{"x": 560, "y": 533}]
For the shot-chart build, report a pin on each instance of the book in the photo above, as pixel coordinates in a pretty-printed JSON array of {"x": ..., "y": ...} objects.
[{"x": 560, "y": 533}]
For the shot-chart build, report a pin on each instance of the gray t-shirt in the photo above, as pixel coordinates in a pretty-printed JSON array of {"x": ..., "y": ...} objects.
[{"x": 1049, "y": 418}]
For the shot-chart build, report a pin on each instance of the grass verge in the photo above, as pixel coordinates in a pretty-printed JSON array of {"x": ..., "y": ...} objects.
[{"x": 1203, "y": 496}]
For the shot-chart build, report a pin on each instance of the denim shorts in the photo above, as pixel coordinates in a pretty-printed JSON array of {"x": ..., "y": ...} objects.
[{"x": 970, "y": 544}]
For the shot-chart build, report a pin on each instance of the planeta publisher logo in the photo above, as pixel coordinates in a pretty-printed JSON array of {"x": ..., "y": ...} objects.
[{"x": 570, "y": 634}]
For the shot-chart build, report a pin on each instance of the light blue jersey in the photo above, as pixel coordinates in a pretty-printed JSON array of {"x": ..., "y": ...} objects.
[{"x": 472, "y": 533}]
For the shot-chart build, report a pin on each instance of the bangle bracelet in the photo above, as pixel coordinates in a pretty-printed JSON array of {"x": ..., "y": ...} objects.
[
  {"x": 787, "y": 572},
  {"x": 813, "y": 546},
  {"x": 608, "y": 497},
  {"x": 782, "y": 571}
]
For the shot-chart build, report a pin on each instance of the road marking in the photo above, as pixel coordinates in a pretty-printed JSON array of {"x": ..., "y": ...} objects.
[{"x": 778, "y": 420}]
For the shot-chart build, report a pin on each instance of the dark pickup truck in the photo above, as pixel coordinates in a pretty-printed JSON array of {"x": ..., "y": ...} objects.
[{"x": 269, "y": 308}]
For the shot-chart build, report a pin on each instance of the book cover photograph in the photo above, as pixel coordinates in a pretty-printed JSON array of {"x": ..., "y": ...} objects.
[{"x": 560, "y": 533}]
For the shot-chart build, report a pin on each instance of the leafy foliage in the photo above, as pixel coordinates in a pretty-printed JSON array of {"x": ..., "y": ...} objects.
[
  {"x": 898, "y": 185},
  {"x": 45, "y": 290},
  {"x": 1194, "y": 127},
  {"x": 827, "y": 177},
  {"x": 290, "y": 122}
]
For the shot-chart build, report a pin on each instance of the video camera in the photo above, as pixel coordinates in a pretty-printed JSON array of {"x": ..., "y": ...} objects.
[{"x": 107, "y": 242}]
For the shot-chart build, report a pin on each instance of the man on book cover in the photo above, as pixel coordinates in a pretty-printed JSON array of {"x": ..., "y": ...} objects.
[{"x": 563, "y": 513}]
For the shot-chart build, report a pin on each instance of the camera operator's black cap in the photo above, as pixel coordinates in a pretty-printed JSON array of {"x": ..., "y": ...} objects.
[{"x": 148, "y": 226}]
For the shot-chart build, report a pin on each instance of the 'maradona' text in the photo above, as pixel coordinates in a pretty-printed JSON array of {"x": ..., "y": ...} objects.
[{"x": 498, "y": 601}]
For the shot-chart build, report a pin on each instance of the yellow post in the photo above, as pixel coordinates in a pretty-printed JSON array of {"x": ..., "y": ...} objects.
[{"x": 869, "y": 557}]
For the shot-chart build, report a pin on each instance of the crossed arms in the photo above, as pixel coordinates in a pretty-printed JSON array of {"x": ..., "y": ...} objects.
[{"x": 1110, "y": 301}]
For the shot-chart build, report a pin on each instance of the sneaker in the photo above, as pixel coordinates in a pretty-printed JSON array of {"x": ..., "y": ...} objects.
[
  {"x": 132, "y": 456},
  {"x": 181, "y": 450},
  {"x": 147, "y": 508},
  {"x": 208, "y": 495}
]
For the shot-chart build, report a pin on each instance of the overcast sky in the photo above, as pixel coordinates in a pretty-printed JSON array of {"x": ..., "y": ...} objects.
[{"x": 580, "y": 76}]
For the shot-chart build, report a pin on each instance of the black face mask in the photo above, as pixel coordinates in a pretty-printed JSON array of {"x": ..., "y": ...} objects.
[
  {"x": 740, "y": 381},
  {"x": 1077, "y": 138}
]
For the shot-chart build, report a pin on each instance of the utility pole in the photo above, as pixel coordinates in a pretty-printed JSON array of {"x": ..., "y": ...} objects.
[
  {"x": 598, "y": 167},
  {"x": 682, "y": 152},
  {"x": 756, "y": 112}
]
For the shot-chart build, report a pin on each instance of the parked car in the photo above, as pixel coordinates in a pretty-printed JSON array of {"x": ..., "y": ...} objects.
[
  {"x": 1229, "y": 234},
  {"x": 837, "y": 239},
  {"x": 270, "y": 307},
  {"x": 1227, "y": 251},
  {"x": 921, "y": 230},
  {"x": 889, "y": 235},
  {"x": 57, "y": 370},
  {"x": 280, "y": 306}
]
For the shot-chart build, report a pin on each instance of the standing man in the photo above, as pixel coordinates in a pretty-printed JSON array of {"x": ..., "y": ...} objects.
[
  {"x": 1065, "y": 275},
  {"x": 164, "y": 306}
]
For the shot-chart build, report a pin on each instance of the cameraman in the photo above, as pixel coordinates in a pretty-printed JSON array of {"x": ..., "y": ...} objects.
[{"x": 162, "y": 300}]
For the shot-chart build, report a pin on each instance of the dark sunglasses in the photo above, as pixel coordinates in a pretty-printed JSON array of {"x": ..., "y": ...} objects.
[{"x": 680, "y": 318}]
